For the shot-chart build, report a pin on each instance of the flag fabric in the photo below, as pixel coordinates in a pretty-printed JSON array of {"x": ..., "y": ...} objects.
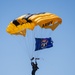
[{"x": 42, "y": 43}]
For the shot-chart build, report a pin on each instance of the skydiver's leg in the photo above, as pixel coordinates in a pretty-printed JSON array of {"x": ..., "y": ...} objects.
[{"x": 33, "y": 72}]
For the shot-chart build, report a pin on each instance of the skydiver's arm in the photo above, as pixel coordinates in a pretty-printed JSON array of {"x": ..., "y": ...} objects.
[{"x": 35, "y": 62}]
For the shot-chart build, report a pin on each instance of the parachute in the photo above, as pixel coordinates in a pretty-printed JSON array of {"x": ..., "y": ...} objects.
[
  {"x": 30, "y": 21},
  {"x": 45, "y": 20}
]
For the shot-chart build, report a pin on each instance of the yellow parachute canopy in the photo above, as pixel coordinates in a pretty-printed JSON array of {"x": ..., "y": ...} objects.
[{"x": 29, "y": 21}]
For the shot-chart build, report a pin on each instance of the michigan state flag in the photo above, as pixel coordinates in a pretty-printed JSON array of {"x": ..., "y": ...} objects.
[{"x": 42, "y": 43}]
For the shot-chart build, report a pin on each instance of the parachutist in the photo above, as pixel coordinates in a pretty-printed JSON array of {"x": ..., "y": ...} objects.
[{"x": 34, "y": 67}]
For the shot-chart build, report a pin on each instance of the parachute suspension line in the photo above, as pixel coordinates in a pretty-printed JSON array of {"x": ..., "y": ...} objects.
[
  {"x": 27, "y": 48},
  {"x": 37, "y": 32},
  {"x": 29, "y": 43},
  {"x": 33, "y": 44},
  {"x": 33, "y": 52},
  {"x": 40, "y": 35}
]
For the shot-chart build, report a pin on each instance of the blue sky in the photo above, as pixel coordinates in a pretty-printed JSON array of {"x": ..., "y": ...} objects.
[{"x": 15, "y": 51}]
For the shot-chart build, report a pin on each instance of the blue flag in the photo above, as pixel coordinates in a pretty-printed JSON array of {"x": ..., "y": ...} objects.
[{"x": 42, "y": 43}]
